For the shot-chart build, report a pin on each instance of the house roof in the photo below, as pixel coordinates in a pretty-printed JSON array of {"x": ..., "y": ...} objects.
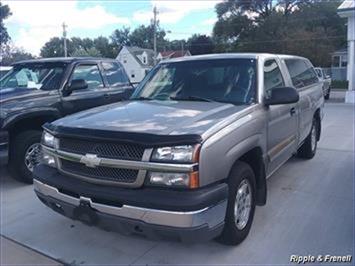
[
  {"x": 341, "y": 51},
  {"x": 137, "y": 51},
  {"x": 174, "y": 54},
  {"x": 347, "y": 5}
]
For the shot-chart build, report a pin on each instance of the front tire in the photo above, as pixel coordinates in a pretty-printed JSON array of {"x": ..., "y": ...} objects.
[
  {"x": 309, "y": 147},
  {"x": 24, "y": 155},
  {"x": 241, "y": 204}
]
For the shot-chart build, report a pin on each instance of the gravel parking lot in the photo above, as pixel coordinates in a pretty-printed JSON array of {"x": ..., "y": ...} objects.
[{"x": 310, "y": 210}]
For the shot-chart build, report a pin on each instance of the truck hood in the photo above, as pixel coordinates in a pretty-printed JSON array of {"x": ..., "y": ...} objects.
[{"x": 152, "y": 117}]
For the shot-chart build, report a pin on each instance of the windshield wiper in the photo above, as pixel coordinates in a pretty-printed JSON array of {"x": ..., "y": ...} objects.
[{"x": 192, "y": 98}]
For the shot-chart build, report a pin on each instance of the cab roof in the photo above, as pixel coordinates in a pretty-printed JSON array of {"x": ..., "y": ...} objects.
[
  {"x": 63, "y": 60},
  {"x": 229, "y": 56}
]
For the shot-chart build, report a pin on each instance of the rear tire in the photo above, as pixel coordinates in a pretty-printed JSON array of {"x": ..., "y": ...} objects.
[
  {"x": 309, "y": 147},
  {"x": 24, "y": 144},
  {"x": 327, "y": 96},
  {"x": 241, "y": 205}
]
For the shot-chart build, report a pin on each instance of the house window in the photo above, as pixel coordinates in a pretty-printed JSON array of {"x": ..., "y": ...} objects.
[
  {"x": 335, "y": 61},
  {"x": 144, "y": 60},
  {"x": 344, "y": 61},
  {"x": 133, "y": 75}
]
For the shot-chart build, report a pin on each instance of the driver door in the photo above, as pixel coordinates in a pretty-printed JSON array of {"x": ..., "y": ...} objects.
[
  {"x": 282, "y": 120},
  {"x": 95, "y": 94}
]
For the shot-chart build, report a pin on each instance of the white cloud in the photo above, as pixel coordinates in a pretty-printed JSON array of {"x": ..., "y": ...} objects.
[
  {"x": 171, "y": 11},
  {"x": 40, "y": 20},
  {"x": 209, "y": 22}
]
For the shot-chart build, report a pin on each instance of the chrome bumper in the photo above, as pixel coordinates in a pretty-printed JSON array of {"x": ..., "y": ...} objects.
[{"x": 211, "y": 216}]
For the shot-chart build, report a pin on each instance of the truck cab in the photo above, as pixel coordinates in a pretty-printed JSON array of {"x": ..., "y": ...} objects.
[
  {"x": 37, "y": 91},
  {"x": 188, "y": 155}
]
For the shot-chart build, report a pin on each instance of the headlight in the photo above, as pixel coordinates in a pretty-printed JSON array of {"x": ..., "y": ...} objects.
[
  {"x": 184, "y": 154},
  {"x": 187, "y": 180},
  {"x": 49, "y": 140}
]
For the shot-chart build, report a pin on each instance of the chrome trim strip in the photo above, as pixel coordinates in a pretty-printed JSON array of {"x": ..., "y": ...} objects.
[
  {"x": 126, "y": 164},
  {"x": 212, "y": 216}
]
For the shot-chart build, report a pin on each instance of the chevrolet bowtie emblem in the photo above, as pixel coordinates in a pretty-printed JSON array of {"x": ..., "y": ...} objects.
[{"x": 90, "y": 160}]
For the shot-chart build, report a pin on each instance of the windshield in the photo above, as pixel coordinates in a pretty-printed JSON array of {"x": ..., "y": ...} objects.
[
  {"x": 225, "y": 80},
  {"x": 34, "y": 76}
]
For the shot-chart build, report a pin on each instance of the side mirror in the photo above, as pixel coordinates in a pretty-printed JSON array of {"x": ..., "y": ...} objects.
[
  {"x": 76, "y": 84},
  {"x": 327, "y": 76},
  {"x": 283, "y": 95}
]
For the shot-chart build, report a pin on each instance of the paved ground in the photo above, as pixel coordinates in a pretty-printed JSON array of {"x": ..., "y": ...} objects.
[
  {"x": 310, "y": 210},
  {"x": 13, "y": 253}
]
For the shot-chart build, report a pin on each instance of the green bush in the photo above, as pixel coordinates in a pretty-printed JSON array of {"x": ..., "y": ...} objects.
[{"x": 339, "y": 84}]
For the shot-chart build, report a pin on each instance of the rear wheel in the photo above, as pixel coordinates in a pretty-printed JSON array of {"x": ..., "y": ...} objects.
[
  {"x": 309, "y": 147},
  {"x": 327, "y": 96},
  {"x": 241, "y": 205},
  {"x": 25, "y": 154}
]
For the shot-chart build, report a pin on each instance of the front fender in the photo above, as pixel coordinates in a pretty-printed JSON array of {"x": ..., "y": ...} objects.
[{"x": 12, "y": 119}]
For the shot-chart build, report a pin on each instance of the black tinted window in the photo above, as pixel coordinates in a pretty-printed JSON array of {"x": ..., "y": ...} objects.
[
  {"x": 89, "y": 73},
  {"x": 272, "y": 76},
  {"x": 302, "y": 72},
  {"x": 115, "y": 75}
]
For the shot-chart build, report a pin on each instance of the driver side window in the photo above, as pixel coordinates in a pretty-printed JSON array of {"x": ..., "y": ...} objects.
[
  {"x": 89, "y": 73},
  {"x": 272, "y": 77}
]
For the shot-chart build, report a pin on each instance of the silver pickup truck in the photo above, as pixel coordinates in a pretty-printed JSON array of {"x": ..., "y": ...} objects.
[{"x": 187, "y": 157}]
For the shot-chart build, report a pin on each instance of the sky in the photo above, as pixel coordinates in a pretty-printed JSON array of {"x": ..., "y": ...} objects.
[{"x": 33, "y": 23}]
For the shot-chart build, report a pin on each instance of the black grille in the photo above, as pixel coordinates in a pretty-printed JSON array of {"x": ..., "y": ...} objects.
[
  {"x": 100, "y": 172},
  {"x": 103, "y": 149}
]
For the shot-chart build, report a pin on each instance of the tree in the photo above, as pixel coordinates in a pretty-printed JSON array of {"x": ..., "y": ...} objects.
[
  {"x": 307, "y": 28},
  {"x": 91, "y": 52},
  {"x": 11, "y": 54},
  {"x": 55, "y": 48},
  {"x": 200, "y": 44},
  {"x": 143, "y": 37},
  {"x": 120, "y": 38},
  {"x": 105, "y": 48},
  {"x": 4, "y": 14}
]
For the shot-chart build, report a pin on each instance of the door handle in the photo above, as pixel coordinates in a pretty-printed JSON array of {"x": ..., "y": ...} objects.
[
  {"x": 106, "y": 95},
  {"x": 293, "y": 111}
]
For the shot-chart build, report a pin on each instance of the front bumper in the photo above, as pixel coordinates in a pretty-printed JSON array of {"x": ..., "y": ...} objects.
[
  {"x": 4, "y": 147},
  {"x": 161, "y": 219}
]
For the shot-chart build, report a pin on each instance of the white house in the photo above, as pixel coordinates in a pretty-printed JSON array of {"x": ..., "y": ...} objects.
[
  {"x": 136, "y": 61},
  {"x": 347, "y": 10}
]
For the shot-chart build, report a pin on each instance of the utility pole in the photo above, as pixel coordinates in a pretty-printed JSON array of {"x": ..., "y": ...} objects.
[
  {"x": 155, "y": 22},
  {"x": 65, "y": 39}
]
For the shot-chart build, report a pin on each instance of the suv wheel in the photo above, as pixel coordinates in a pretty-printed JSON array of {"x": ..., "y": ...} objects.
[
  {"x": 309, "y": 147},
  {"x": 241, "y": 205},
  {"x": 25, "y": 154}
]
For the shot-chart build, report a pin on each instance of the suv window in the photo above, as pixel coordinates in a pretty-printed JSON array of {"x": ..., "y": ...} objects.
[
  {"x": 89, "y": 73},
  {"x": 114, "y": 74},
  {"x": 302, "y": 72},
  {"x": 272, "y": 76}
]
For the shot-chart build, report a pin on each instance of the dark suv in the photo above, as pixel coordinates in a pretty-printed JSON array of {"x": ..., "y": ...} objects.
[{"x": 38, "y": 91}]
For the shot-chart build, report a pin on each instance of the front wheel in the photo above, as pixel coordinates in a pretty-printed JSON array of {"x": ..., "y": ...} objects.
[
  {"x": 25, "y": 154},
  {"x": 241, "y": 205}
]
